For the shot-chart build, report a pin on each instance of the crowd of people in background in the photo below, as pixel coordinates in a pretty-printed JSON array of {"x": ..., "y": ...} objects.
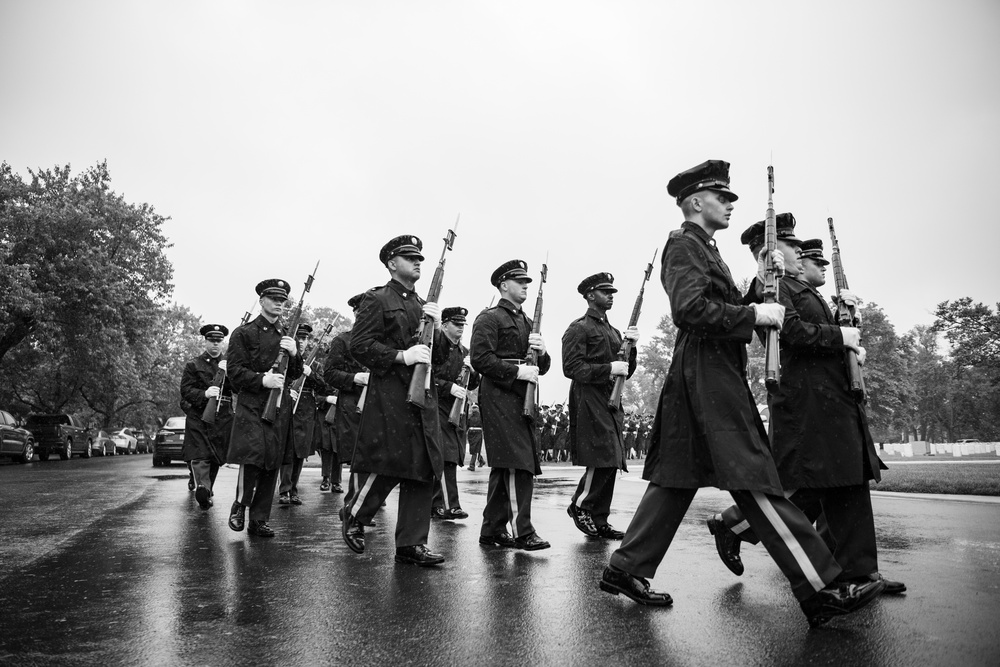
[{"x": 552, "y": 430}]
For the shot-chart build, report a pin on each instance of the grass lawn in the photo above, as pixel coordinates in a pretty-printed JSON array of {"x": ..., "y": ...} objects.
[{"x": 942, "y": 476}]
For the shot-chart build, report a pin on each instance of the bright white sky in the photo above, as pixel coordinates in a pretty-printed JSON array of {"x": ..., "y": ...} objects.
[{"x": 274, "y": 134}]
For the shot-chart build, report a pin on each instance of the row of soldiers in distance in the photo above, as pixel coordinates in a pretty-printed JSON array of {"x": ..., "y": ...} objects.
[
  {"x": 707, "y": 431},
  {"x": 552, "y": 433}
]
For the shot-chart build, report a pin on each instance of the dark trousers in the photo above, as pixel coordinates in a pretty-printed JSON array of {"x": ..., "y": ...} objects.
[
  {"x": 594, "y": 493},
  {"x": 413, "y": 521},
  {"x": 290, "y": 474},
  {"x": 475, "y": 436},
  {"x": 788, "y": 536},
  {"x": 204, "y": 472},
  {"x": 330, "y": 467},
  {"x": 446, "y": 489},
  {"x": 846, "y": 522},
  {"x": 255, "y": 489},
  {"x": 508, "y": 501}
]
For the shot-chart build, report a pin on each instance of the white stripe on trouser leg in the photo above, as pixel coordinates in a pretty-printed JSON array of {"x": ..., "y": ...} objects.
[
  {"x": 444, "y": 492},
  {"x": 359, "y": 500},
  {"x": 741, "y": 527},
  {"x": 239, "y": 486},
  {"x": 512, "y": 498},
  {"x": 587, "y": 484},
  {"x": 793, "y": 545}
]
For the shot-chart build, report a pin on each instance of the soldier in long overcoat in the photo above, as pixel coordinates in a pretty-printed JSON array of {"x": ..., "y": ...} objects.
[
  {"x": 501, "y": 337},
  {"x": 707, "y": 431},
  {"x": 398, "y": 442},
  {"x": 205, "y": 444},
  {"x": 819, "y": 429},
  {"x": 590, "y": 359},
  {"x": 303, "y": 427},
  {"x": 258, "y": 446},
  {"x": 349, "y": 377}
]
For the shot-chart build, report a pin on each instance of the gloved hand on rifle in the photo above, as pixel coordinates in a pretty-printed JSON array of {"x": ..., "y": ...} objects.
[
  {"x": 212, "y": 392},
  {"x": 418, "y": 354},
  {"x": 273, "y": 380},
  {"x": 619, "y": 368},
  {"x": 777, "y": 257},
  {"x": 306, "y": 370},
  {"x": 769, "y": 314},
  {"x": 361, "y": 379},
  {"x": 852, "y": 338},
  {"x": 467, "y": 361},
  {"x": 458, "y": 391},
  {"x": 288, "y": 345},
  {"x": 632, "y": 333},
  {"x": 294, "y": 394},
  {"x": 223, "y": 365},
  {"x": 536, "y": 343},
  {"x": 527, "y": 373},
  {"x": 433, "y": 311},
  {"x": 862, "y": 354},
  {"x": 331, "y": 399}
]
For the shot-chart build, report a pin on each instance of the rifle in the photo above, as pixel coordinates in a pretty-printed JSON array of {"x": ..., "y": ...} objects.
[
  {"x": 626, "y": 349},
  {"x": 420, "y": 382},
  {"x": 300, "y": 381},
  {"x": 458, "y": 407},
  {"x": 331, "y": 413},
  {"x": 772, "y": 346},
  {"x": 280, "y": 365},
  {"x": 211, "y": 411},
  {"x": 846, "y": 316},
  {"x": 531, "y": 395}
]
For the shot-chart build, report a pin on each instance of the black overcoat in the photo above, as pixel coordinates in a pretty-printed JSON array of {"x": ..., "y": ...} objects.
[
  {"x": 304, "y": 418},
  {"x": 589, "y": 346},
  {"x": 339, "y": 372},
  {"x": 446, "y": 375},
  {"x": 252, "y": 351},
  {"x": 203, "y": 441},
  {"x": 707, "y": 431},
  {"x": 501, "y": 333},
  {"x": 395, "y": 438}
]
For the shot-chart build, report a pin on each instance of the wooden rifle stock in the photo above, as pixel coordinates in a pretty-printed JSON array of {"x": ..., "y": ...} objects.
[
  {"x": 301, "y": 381},
  {"x": 772, "y": 345},
  {"x": 530, "y": 409},
  {"x": 420, "y": 381},
  {"x": 458, "y": 407},
  {"x": 626, "y": 349},
  {"x": 845, "y": 317},
  {"x": 211, "y": 410},
  {"x": 331, "y": 413}
]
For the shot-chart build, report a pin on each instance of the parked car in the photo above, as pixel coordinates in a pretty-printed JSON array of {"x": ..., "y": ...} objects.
[
  {"x": 965, "y": 440},
  {"x": 63, "y": 434},
  {"x": 125, "y": 441},
  {"x": 102, "y": 444},
  {"x": 15, "y": 442},
  {"x": 169, "y": 441}
]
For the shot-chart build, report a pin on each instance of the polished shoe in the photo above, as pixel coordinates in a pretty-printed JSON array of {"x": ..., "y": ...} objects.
[
  {"x": 283, "y": 499},
  {"x": 260, "y": 528},
  {"x": 501, "y": 540},
  {"x": 418, "y": 554},
  {"x": 439, "y": 513},
  {"x": 354, "y": 534},
  {"x": 891, "y": 587},
  {"x": 325, "y": 484},
  {"x": 204, "y": 497},
  {"x": 584, "y": 522},
  {"x": 457, "y": 513},
  {"x": 237, "y": 516},
  {"x": 617, "y": 581},
  {"x": 340, "y": 513},
  {"x": 726, "y": 543},
  {"x": 531, "y": 542},
  {"x": 608, "y": 532},
  {"x": 471, "y": 468},
  {"x": 337, "y": 488},
  {"x": 294, "y": 500},
  {"x": 839, "y": 599}
]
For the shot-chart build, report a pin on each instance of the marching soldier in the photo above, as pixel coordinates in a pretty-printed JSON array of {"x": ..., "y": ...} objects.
[
  {"x": 819, "y": 430},
  {"x": 344, "y": 373},
  {"x": 475, "y": 435},
  {"x": 590, "y": 359},
  {"x": 205, "y": 444},
  {"x": 501, "y": 337},
  {"x": 445, "y": 504},
  {"x": 303, "y": 426},
  {"x": 256, "y": 445},
  {"x": 398, "y": 443},
  {"x": 707, "y": 431}
]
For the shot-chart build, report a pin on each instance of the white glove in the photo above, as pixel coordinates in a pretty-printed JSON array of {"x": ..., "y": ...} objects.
[
  {"x": 852, "y": 337},
  {"x": 418, "y": 354},
  {"x": 361, "y": 379},
  {"x": 619, "y": 368},
  {"x": 212, "y": 392},
  {"x": 776, "y": 256},
  {"x": 457, "y": 391},
  {"x": 288, "y": 345},
  {"x": 527, "y": 373},
  {"x": 861, "y": 355},
  {"x": 536, "y": 343},
  {"x": 294, "y": 394},
  {"x": 769, "y": 314},
  {"x": 223, "y": 365},
  {"x": 331, "y": 399},
  {"x": 273, "y": 380},
  {"x": 632, "y": 333},
  {"x": 467, "y": 361},
  {"x": 848, "y": 297},
  {"x": 433, "y": 311},
  {"x": 306, "y": 370}
]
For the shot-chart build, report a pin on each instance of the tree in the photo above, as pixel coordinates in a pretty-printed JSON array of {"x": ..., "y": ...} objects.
[
  {"x": 973, "y": 330},
  {"x": 886, "y": 377},
  {"x": 642, "y": 390}
]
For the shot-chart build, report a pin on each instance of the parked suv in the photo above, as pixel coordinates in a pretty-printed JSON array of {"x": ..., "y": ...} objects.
[
  {"x": 63, "y": 434},
  {"x": 15, "y": 442},
  {"x": 169, "y": 441}
]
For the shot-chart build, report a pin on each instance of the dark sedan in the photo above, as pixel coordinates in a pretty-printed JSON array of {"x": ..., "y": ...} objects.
[
  {"x": 169, "y": 441},
  {"x": 15, "y": 442}
]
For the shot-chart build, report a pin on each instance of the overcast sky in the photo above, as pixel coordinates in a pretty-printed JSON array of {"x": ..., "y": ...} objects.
[{"x": 274, "y": 134}]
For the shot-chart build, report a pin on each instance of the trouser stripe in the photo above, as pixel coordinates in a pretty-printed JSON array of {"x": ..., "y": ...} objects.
[
  {"x": 512, "y": 498},
  {"x": 239, "y": 486},
  {"x": 791, "y": 543},
  {"x": 444, "y": 491},
  {"x": 589, "y": 477},
  {"x": 359, "y": 500},
  {"x": 740, "y": 527}
]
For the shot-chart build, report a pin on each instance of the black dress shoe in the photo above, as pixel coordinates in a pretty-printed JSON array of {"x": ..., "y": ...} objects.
[
  {"x": 370, "y": 524},
  {"x": 294, "y": 500},
  {"x": 531, "y": 542},
  {"x": 501, "y": 540},
  {"x": 439, "y": 513},
  {"x": 727, "y": 544},
  {"x": 418, "y": 554},
  {"x": 839, "y": 599},
  {"x": 283, "y": 499},
  {"x": 203, "y": 497},
  {"x": 457, "y": 513},
  {"x": 337, "y": 488},
  {"x": 891, "y": 587},
  {"x": 325, "y": 484},
  {"x": 584, "y": 522},
  {"x": 354, "y": 534},
  {"x": 608, "y": 532},
  {"x": 237, "y": 515},
  {"x": 260, "y": 528},
  {"x": 617, "y": 581}
]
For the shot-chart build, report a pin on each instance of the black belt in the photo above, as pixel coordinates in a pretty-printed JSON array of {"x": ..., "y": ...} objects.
[{"x": 516, "y": 362}]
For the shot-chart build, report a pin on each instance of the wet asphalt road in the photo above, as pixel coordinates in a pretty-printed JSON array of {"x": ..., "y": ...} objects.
[{"x": 110, "y": 561}]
